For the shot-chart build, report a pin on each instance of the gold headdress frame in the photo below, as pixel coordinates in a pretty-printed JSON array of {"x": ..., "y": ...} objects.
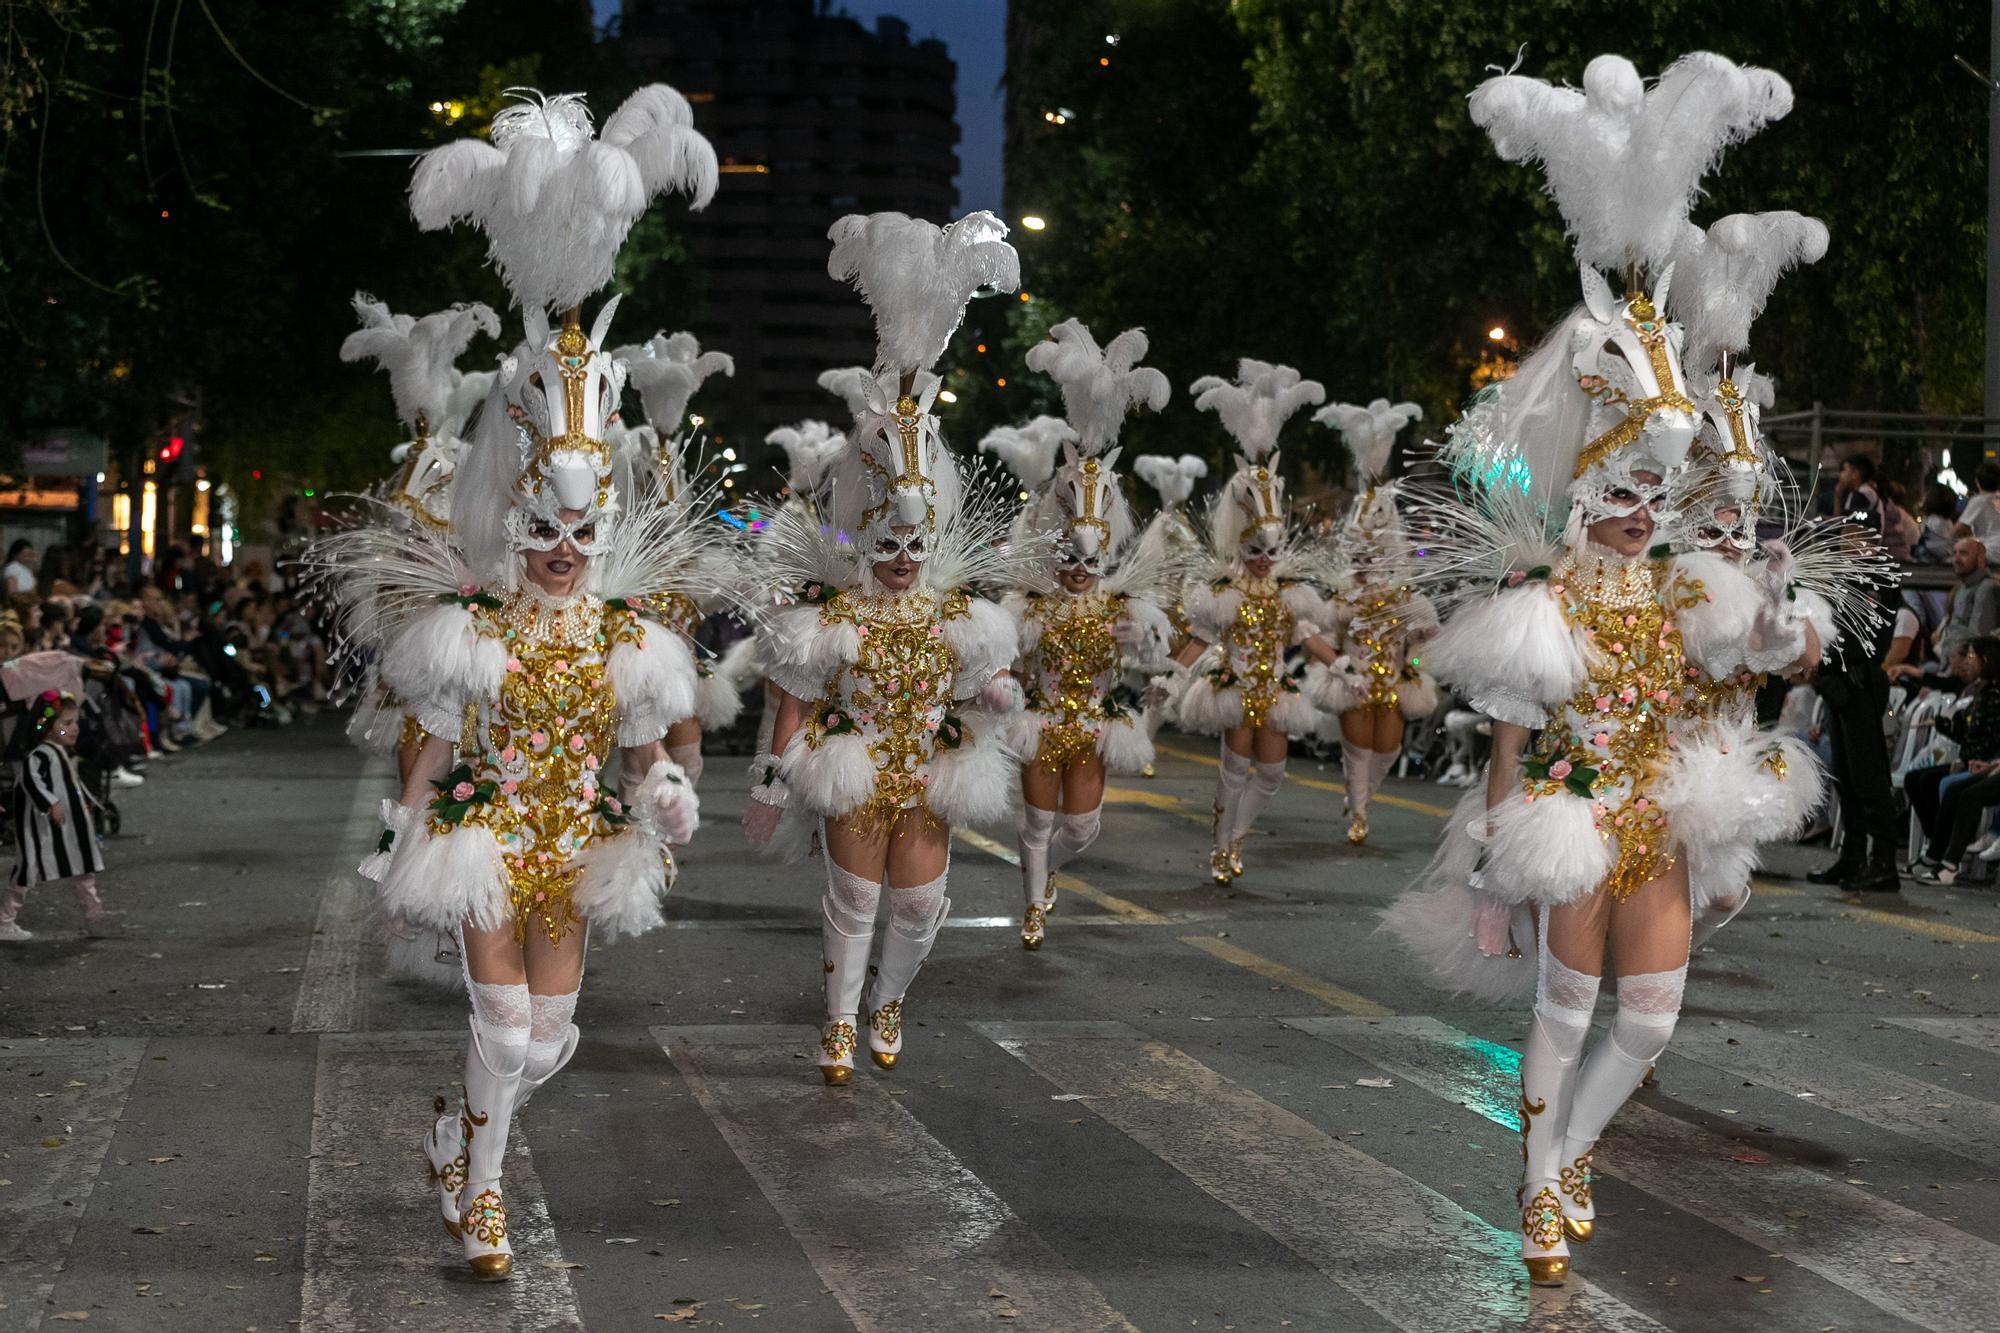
[
  {"x": 909, "y": 424},
  {"x": 573, "y": 355},
  {"x": 1091, "y": 491},
  {"x": 1651, "y": 331}
]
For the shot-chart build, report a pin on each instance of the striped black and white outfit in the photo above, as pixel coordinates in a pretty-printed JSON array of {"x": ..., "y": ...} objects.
[{"x": 45, "y": 850}]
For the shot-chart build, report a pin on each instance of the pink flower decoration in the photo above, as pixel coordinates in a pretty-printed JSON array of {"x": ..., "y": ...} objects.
[
  {"x": 1559, "y": 769},
  {"x": 1603, "y": 703},
  {"x": 537, "y": 739},
  {"x": 1516, "y": 578},
  {"x": 509, "y": 787},
  {"x": 1627, "y": 695},
  {"x": 1641, "y": 803},
  {"x": 614, "y": 805},
  {"x": 1617, "y": 645},
  {"x": 575, "y": 743},
  {"x": 462, "y": 792},
  {"x": 1660, "y": 696},
  {"x": 514, "y": 665},
  {"x": 589, "y": 760},
  {"x": 509, "y": 755},
  {"x": 467, "y": 589},
  {"x": 1601, "y": 739},
  {"x": 562, "y": 663}
]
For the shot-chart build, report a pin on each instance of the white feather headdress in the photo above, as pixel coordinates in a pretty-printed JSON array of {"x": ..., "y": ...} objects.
[
  {"x": 1624, "y": 161},
  {"x": 1370, "y": 431},
  {"x": 917, "y": 277},
  {"x": 1100, "y": 385},
  {"x": 1257, "y": 405},
  {"x": 555, "y": 201},
  {"x": 810, "y": 448},
  {"x": 850, "y": 385},
  {"x": 419, "y": 356},
  {"x": 666, "y": 370},
  {"x": 1029, "y": 450},
  {"x": 1172, "y": 478},
  {"x": 1723, "y": 276}
]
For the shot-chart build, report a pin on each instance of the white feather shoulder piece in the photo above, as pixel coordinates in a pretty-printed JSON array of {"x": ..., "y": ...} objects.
[{"x": 1516, "y": 644}]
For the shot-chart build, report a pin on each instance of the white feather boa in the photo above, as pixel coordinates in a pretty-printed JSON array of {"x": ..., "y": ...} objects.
[
  {"x": 653, "y": 681},
  {"x": 1335, "y": 689},
  {"x": 1514, "y": 645},
  {"x": 1124, "y": 745},
  {"x": 717, "y": 703},
  {"x": 1736, "y": 784},
  {"x": 1416, "y": 697},
  {"x": 1715, "y": 630},
  {"x": 803, "y": 654},
  {"x": 831, "y": 778},
  {"x": 1546, "y": 850},
  {"x": 624, "y": 877},
  {"x": 442, "y": 880},
  {"x": 1437, "y": 917},
  {"x": 440, "y": 662},
  {"x": 975, "y": 783}
]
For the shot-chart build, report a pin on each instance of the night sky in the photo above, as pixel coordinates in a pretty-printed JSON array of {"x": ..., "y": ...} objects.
[{"x": 974, "y": 31}]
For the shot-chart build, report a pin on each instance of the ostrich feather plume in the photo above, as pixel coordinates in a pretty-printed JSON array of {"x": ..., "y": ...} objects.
[
  {"x": 850, "y": 385},
  {"x": 918, "y": 277},
  {"x": 1029, "y": 450},
  {"x": 810, "y": 448},
  {"x": 1624, "y": 162},
  {"x": 1172, "y": 478},
  {"x": 1256, "y": 406},
  {"x": 556, "y": 201},
  {"x": 1723, "y": 276},
  {"x": 1100, "y": 385},
  {"x": 418, "y": 353},
  {"x": 666, "y": 370},
  {"x": 1370, "y": 431}
]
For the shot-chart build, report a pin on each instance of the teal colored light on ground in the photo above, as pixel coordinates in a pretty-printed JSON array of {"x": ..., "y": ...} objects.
[{"x": 1498, "y": 1095}]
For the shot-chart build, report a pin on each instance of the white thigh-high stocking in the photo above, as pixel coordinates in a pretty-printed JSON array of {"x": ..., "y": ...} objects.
[
  {"x": 689, "y": 758},
  {"x": 552, "y": 1040},
  {"x": 915, "y": 916},
  {"x": 1231, "y": 776},
  {"x": 1384, "y": 762},
  {"x": 1649, "y": 1004},
  {"x": 1032, "y": 832},
  {"x": 1074, "y": 834},
  {"x": 1357, "y": 763},
  {"x": 1551, "y": 1061},
  {"x": 1265, "y": 779},
  {"x": 502, "y": 1018},
  {"x": 846, "y": 931}
]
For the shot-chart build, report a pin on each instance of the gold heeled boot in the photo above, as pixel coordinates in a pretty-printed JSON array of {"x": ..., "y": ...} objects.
[
  {"x": 444, "y": 1163},
  {"x": 1034, "y": 925}
]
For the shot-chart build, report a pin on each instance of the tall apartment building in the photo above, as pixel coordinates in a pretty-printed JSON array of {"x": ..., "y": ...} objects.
[{"x": 814, "y": 116}]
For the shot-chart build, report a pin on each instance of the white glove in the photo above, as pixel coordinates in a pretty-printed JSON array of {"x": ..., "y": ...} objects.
[
  {"x": 666, "y": 800},
  {"x": 397, "y": 820},
  {"x": 1002, "y": 696}
]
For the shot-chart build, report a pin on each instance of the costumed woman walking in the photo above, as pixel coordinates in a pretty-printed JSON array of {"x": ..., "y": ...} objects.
[
  {"x": 1590, "y": 636},
  {"x": 1255, "y": 601},
  {"x": 519, "y": 632},
  {"x": 1103, "y": 616},
  {"x": 894, "y": 697},
  {"x": 1378, "y": 683}
]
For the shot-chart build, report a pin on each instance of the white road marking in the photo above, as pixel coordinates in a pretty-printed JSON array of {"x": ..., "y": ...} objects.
[
  {"x": 58, "y": 1144},
  {"x": 1980, "y": 1033},
  {"x": 899, "y": 1230},
  {"x": 329, "y": 998},
  {"x": 1940, "y": 1278},
  {"x": 376, "y": 1255},
  {"x": 1937, "y": 1117},
  {"x": 1360, "y": 1222}
]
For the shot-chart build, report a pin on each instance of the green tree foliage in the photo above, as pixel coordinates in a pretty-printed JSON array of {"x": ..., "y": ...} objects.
[{"x": 1300, "y": 180}]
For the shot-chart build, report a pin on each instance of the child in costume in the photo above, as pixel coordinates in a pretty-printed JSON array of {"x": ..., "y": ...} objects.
[{"x": 55, "y": 826}]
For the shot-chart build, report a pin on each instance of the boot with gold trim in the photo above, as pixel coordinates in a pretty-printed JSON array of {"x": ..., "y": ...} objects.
[
  {"x": 444, "y": 1161},
  {"x": 846, "y": 964},
  {"x": 493, "y": 1068},
  {"x": 903, "y": 953},
  {"x": 1548, "y": 1085}
]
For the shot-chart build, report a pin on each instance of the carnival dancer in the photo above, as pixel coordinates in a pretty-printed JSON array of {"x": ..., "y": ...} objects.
[
  {"x": 55, "y": 824},
  {"x": 1256, "y": 600},
  {"x": 519, "y": 633},
  {"x": 895, "y": 697},
  {"x": 1173, "y": 481},
  {"x": 1379, "y": 683},
  {"x": 1103, "y": 614},
  {"x": 1589, "y": 636},
  {"x": 666, "y": 371}
]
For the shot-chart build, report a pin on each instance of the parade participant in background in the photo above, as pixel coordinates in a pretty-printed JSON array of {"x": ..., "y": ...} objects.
[
  {"x": 1104, "y": 613},
  {"x": 1378, "y": 684},
  {"x": 666, "y": 371},
  {"x": 519, "y": 632},
  {"x": 55, "y": 827},
  {"x": 1256, "y": 599},
  {"x": 894, "y": 694},
  {"x": 1587, "y": 636}
]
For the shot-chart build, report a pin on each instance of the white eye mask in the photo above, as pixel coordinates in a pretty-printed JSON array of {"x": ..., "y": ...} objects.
[
  {"x": 1263, "y": 542},
  {"x": 588, "y": 535},
  {"x": 913, "y": 546}
]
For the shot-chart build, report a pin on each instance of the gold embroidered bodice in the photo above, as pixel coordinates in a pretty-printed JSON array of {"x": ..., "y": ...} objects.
[
  {"x": 1612, "y": 737},
  {"x": 1378, "y": 640},
  {"x": 1255, "y": 642},
  {"x": 541, "y": 747},
  {"x": 896, "y": 696},
  {"x": 1071, "y": 672}
]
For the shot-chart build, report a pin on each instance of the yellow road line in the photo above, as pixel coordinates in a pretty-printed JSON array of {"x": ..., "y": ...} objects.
[
  {"x": 1131, "y": 911},
  {"x": 1324, "y": 991},
  {"x": 1158, "y": 800},
  {"x": 1917, "y": 925},
  {"x": 1771, "y": 890},
  {"x": 1318, "y": 784}
]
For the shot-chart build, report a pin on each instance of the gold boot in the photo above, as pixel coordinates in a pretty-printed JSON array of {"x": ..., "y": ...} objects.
[
  {"x": 1218, "y": 865},
  {"x": 1034, "y": 925},
  {"x": 1236, "y": 859},
  {"x": 836, "y": 1046},
  {"x": 1357, "y": 830},
  {"x": 1579, "y": 1213},
  {"x": 885, "y": 1028},
  {"x": 1543, "y": 1251}
]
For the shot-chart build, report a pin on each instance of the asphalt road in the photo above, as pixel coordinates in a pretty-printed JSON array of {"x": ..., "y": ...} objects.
[{"x": 1195, "y": 1108}]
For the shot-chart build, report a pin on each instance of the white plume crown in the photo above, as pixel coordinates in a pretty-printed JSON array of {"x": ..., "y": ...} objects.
[
  {"x": 666, "y": 370},
  {"x": 850, "y": 385},
  {"x": 1100, "y": 385},
  {"x": 1370, "y": 431},
  {"x": 918, "y": 277},
  {"x": 1255, "y": 408},
  {"x": 555, "y": 202},
  {"x": 1172, "y": 478},
  {"x": 810, "y": 449},
  {"x": 1029, "y": 450},
  {"x": 418, "y": 354},
  {"x": 1724, "y": 276},
  {"x": 1624, "y": 162}
]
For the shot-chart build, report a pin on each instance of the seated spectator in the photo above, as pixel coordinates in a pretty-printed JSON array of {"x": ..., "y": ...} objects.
[
  {"x": 1981, "y": 515},
  {"x": 1972, "y": 608},
  {"x": 1940, "y": 527},
  {"x": 1950, "y": 799}
]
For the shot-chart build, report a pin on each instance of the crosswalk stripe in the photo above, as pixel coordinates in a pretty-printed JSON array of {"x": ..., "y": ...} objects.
[
  {"x": 899, "y": 1230},
  {"x": 1064, "y": 883},
  {"x": 376, "y": 1255},
  {"x": 71, "y": 1094},
  {"x": 1360, "y": 1222},
  {"x": 1941, "y": 1277},
  {"x": 1930, "y": 1115},
  {"x": 329, "y": 996},
  {"x": 1980, "y": 1033},
  {"x": 1319, "y": 784}
]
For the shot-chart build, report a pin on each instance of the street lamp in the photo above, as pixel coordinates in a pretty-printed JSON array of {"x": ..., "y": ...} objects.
[
  {"x": 1497, "y": 333},
  {"x": 947, "y": 396},
  {"x": 1034, "y": 221}
]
